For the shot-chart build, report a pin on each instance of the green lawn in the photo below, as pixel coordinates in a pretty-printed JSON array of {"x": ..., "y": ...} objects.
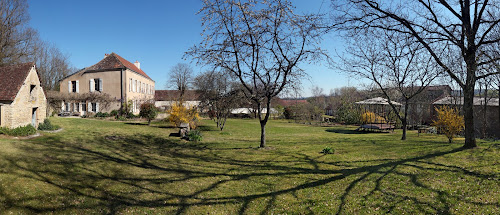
[{"x": 125, "y": 168}]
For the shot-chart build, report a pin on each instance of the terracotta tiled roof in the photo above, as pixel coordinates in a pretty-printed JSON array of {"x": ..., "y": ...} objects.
[
  {"x": 11, "y": 79},
  {"x": 173, "y": 95},
  {"x": 114, "y": 61},
  {"x": 290, "y": 102}
]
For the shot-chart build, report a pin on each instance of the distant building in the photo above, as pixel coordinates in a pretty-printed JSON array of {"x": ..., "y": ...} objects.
[
  {"x": 166, "y": 98},
  {"x": 114, "y": 76},
  {"x": 421, "y": 109},
  {"x": 22, "y": 100},
  {"x": 288, "y": 102},
  {"x": 486, "y": 114}
]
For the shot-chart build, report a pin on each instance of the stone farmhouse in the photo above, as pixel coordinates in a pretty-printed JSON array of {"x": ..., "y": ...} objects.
[
  {"x": 112, "y": 77},
  {"x": 22, "y": 100}
]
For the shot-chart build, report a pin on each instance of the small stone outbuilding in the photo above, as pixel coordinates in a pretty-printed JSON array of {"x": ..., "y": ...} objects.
[{"x": 22, "y": 100}]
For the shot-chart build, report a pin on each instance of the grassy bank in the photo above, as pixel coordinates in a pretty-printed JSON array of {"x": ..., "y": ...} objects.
[{"x": 121, "y": 167}]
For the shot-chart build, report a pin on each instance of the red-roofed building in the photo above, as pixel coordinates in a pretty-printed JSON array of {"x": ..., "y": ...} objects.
[
  {"x": 22, "y": 100},
  {"x": 166, "y": 98},
  {"x": 289, "y": 102},
  {"x": 120, "y": 79}
]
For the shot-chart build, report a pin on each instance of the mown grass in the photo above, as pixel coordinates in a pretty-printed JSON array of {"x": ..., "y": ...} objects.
[{"x": 126, "y": 168}]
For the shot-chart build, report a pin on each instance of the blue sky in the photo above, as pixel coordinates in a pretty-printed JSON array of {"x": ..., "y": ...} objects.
[{"x": 154, "y": 32}]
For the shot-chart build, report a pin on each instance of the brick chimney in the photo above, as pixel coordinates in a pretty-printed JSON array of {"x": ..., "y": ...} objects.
[
  {"x": 137, "y": 64},
  {"x": 105, "y": 55}
]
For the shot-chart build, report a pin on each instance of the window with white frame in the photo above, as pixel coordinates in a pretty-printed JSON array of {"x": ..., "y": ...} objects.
[{"x": 94, "y": 107}]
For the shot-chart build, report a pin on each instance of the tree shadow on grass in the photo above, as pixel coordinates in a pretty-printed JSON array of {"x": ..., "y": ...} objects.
[
  {"x": 136, "y": 123},
  {"x": 207, "y": 128},
  {"x": 146, "y": 172},
  {"x": 345, "y": 131}
]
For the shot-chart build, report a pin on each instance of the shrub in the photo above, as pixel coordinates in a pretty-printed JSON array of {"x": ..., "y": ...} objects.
[
  {"x": 449, "y": 121},
  {"x": 47, "y": 125},
  {"x": 328, "y": 150},
  {"x": 370, "y": 117},
  {"x": 178, "y": 114},
  {"x": 19, "y": 131},
  {"x": 113, "y": 113},
  {"x": 194, "y": 135},
  {"x": 121, "y": 118},
  {"x": 4, "y": 130},
  {"x": 127, "y": 108},
  {"x": 148, "y": 111},
  {"x": 130, "y": 115},
  {"x": 102, "y": 115}
]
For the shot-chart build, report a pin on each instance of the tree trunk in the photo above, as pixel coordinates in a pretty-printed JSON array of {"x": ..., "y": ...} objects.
[
  {"x": 470, "y": 136},
  {"x": 263, "y": 122},
  {"x": 262, "y": 134},
  {"x": 404, "y": 121},
  {"x": 485, "y": 107}
]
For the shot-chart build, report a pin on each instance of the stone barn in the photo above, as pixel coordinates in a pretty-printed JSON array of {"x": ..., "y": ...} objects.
[{"x": 22, "y": 100}]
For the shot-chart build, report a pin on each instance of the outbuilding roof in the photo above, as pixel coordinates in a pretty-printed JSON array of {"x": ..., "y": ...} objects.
[
  {"x": 450, "y": 100},
  {"x": 174, "y": 95},
  {"x": 377, "y": 101},
  {"x": 12, "y": 78}
]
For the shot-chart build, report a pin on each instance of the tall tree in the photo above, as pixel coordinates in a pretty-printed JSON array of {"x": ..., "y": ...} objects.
[
  {"x": 52, "y": 65},
  {"x": 460, "y": 28},
  {"x": 180, "y": 77},
  {"x": 394, "y": 62},
  {"x": 219, "y": 95},
  {"x": 260, "y": 43},
  {"x": 16, "y": 37}
]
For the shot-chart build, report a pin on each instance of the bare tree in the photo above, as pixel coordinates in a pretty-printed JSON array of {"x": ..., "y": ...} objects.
[
  {"x": 219, "y": 95},
  {"x": 52, "y": 65},
  {"x": 21, "y": 43},
  {"x": 260, "y": 43},
  {"x": 463, "y": 28},
  {"x": 180, "y": 77},
  {"x": 16, "y": 38},
  {"x": 392, "y": 61}
]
